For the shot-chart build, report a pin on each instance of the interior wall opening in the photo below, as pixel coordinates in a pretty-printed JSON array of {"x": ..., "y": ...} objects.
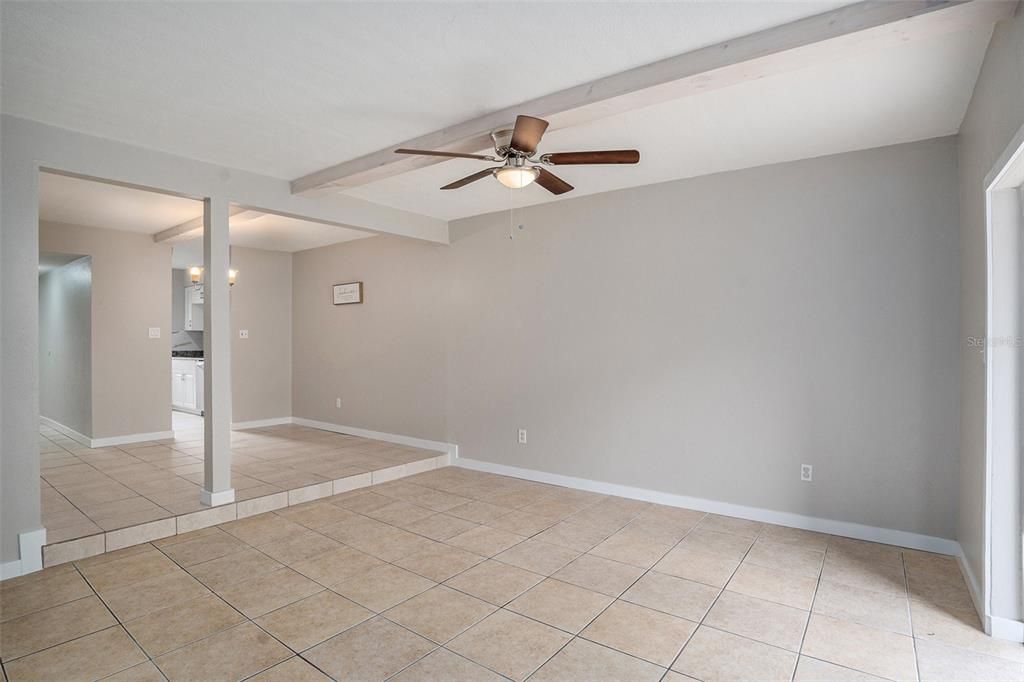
[{"x": 1004, "y": 356}]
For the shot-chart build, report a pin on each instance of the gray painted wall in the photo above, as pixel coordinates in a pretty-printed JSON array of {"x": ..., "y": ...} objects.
[
  {"x": 995, "y": 114},
  {"x": 65, "y": 345},
  {"x": 702, "y": 337},
  {"x": 706, "y": 337},
  {"x": 384, "y": 358},
  {"x": 131, "y": 292},
  {"x": 261, "y": 366}
]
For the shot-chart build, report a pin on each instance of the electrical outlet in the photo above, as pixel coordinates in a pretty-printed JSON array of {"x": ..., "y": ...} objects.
[
  {"x": 522, "y": 436},
  {"x": 337, "y": 402},
  {"x": 243, "y": 333},
  {"x": 805, "y": 472},
  {"x": 154, "y": 332}
]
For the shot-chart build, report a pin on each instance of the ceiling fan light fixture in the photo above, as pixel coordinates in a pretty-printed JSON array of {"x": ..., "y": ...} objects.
[
  {"x": 516, "y": 177},
  {"x": 517, "y": 147}
]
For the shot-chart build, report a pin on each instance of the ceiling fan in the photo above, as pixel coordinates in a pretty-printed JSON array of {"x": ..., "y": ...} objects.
[{"x": 516, "y": 148}]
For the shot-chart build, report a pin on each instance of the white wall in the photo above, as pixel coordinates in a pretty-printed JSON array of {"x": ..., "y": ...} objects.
[
  {"x": 65, "y": 345},
  {"x": 995, "y": 114}
]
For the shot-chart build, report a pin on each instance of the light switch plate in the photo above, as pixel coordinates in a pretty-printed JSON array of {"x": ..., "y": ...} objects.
[
  {"x": 154, "y": 332},
  {"x": 243, "y": 333}
]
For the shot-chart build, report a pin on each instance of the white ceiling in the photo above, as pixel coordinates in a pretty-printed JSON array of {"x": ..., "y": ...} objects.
[
  {"x": 77, "y": 201},
  {"x": 914, "y": 91},
  {"x": 279, "y": 233},
  {"x": 64, "y": 199},
  {"x": 287, "y": 88}
]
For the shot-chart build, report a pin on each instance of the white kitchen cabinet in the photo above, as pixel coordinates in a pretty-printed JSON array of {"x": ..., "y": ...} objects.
[
  {"x": 189, "y": 391},
  {"x": 177, "y": 388},
  {"x": 194, "y": 308},
  {"x": 183, "y": 384}
]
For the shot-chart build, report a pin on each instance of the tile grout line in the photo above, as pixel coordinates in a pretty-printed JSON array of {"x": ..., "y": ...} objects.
[
  {"x": 51, "y": 646},
  {"x": 910, "y": 614},
  {"x": 286, "y": 566},
  {"x": 58, "y": 491},
  {"x": 485, "y": 559},
  {"x": 618, "y": 598},
  {"x": 375, "y": 615},
  {"x": 246, "y": 619},
  {"x": 810, "y": 609},
  {"x": 117, "y": 624},
  {"x": 721, "y": 591},
  {"x": 113, "y": 615}
]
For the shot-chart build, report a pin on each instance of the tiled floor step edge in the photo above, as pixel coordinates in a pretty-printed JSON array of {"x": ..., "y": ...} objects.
[{"x": 91, "y": 545}]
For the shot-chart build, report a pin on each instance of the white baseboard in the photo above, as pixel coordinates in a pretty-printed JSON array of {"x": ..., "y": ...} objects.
[
  {"x": 448, "y": 448},
  {"x": 89, "y": 442},
  {"x": 30, "y": 550},
  {"x": 79, "y": 438},
  {"x": 261, "y": 423},
  {"x": 218, "y": 498},
  {"x": 1006, "y": 628},
  {"x": 996, "y": 626},
  {"x": 30, "y": 545},
  {"x": 131, "y": 438},
  {"x": 858, "y": 531},
  {"x": 10, "y": 569},
  {"x": 973, "y": 585}
]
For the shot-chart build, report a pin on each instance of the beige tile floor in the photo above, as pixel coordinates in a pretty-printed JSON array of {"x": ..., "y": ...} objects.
[
  {"x": 86, "y": 491},
  {"x": 458, "y": 575}
]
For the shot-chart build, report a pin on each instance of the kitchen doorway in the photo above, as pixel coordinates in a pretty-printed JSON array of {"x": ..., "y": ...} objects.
[{"x": 187, "y": 362}]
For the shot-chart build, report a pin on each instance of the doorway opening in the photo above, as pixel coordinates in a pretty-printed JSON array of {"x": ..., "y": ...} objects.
[
  {"x": 187, "y": 363},
  {"x": 1004, "y": 357}
]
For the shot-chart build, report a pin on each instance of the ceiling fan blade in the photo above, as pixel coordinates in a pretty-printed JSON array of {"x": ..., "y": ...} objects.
[
  {"x": 553, "y": 183},
  {"x": 527, "y": 133},
  {"x": 468, "y": 179},
  {"x": 578, "y": 158},
  {"x": 453, "y": 155}
]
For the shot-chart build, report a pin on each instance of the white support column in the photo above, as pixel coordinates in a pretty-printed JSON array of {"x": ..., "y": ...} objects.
[{"x": 217, "y": 353}]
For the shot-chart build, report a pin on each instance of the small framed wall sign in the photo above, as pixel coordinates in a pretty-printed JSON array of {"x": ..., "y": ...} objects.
[{"x": 350, "y": 292}]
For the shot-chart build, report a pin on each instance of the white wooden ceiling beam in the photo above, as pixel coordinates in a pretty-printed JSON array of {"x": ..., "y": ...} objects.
[{"x": 824, "y": 37}]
